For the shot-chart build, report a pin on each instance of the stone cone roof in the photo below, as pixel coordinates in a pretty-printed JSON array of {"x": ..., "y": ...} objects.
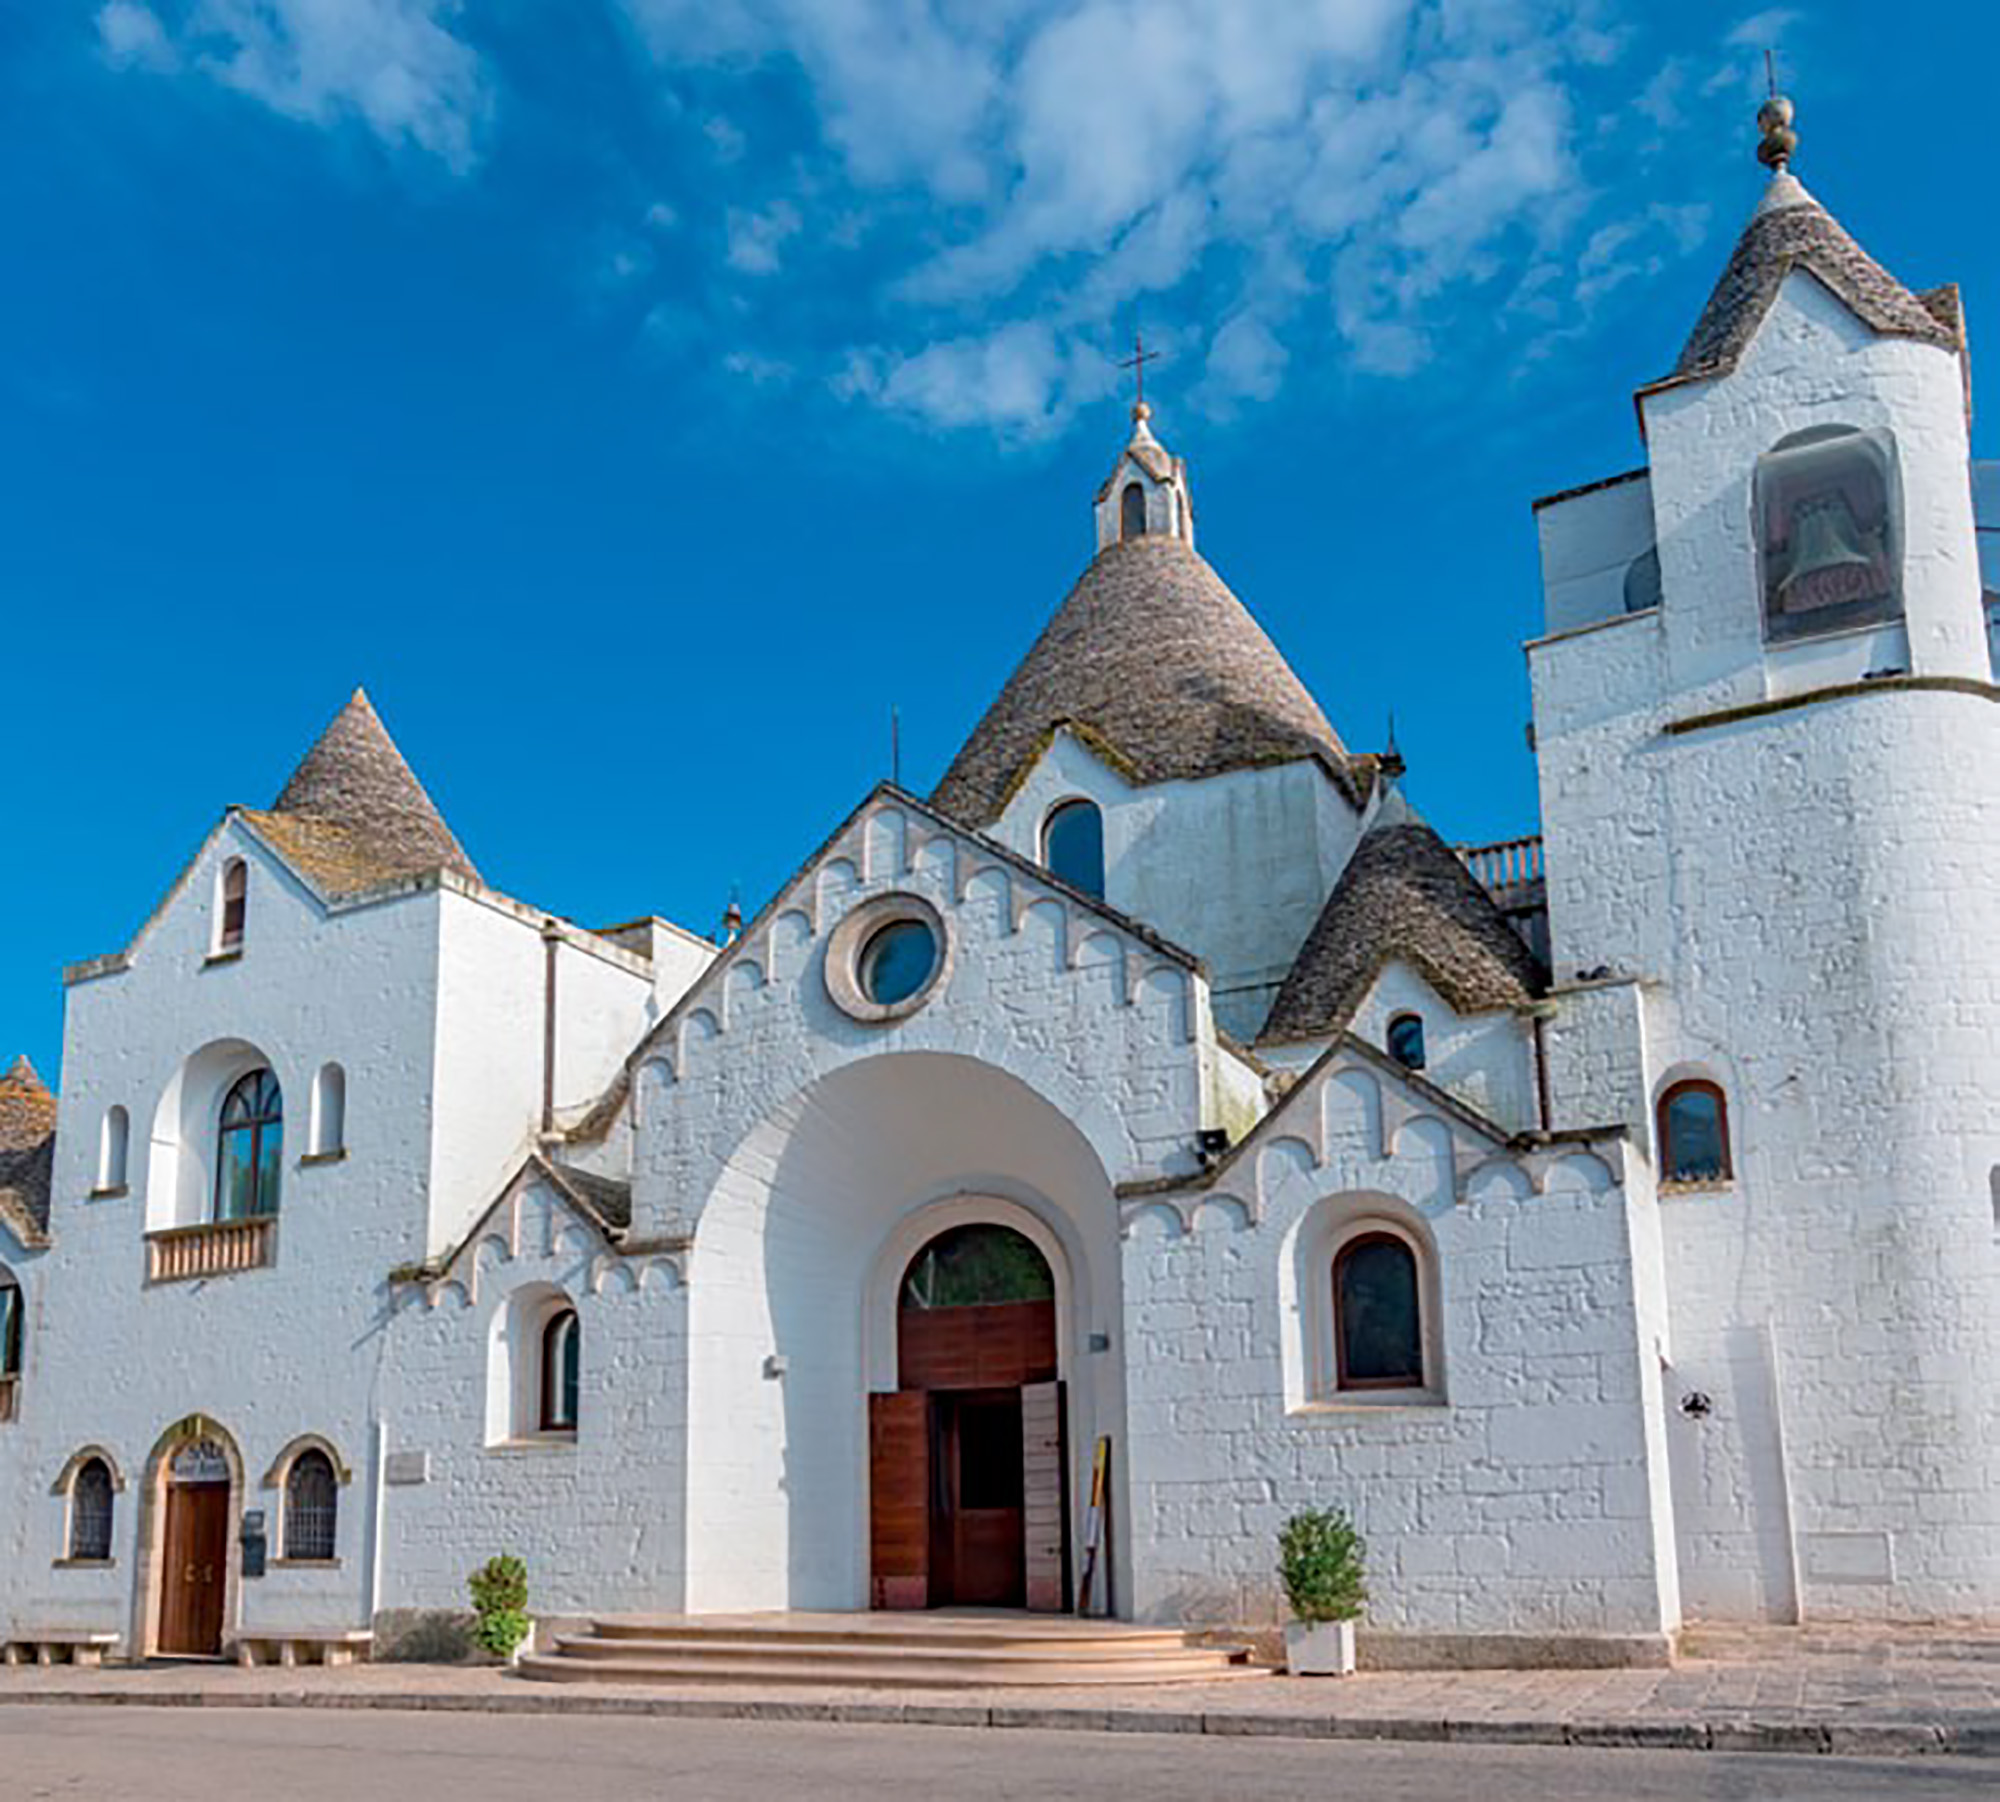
[
  {"x": 1404, "y": 894},
  {"x": 27, "y": 1152},
  {"x": 354, "y": 813},
  {"x": 1791, "y": 230},
  {"x": 1155, "y": 660}
]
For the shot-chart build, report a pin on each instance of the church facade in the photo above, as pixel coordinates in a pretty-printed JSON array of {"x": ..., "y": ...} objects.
[{"x": 1610, "y": 1221}]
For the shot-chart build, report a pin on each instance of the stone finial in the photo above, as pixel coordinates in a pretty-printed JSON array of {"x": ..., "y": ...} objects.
[{"x": 1774, "y": 120}]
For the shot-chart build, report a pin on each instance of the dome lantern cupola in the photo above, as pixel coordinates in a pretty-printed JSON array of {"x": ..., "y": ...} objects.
[{"x": 1147, "y": 494}]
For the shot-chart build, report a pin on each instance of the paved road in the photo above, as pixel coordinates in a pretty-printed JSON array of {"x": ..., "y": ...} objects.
[{"x": 236, "y": 1755}]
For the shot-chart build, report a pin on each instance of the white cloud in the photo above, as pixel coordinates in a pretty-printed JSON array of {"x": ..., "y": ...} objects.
[
  {"x": 132, "y": 37},
  {"x": 1022, "y": 382},
  {"x": 757, "y": 239},
  {"x": 395, "y": 66}
]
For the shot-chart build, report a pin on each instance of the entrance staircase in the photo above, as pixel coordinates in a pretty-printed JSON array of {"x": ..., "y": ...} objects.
[{"x": 957, "y": 1649}]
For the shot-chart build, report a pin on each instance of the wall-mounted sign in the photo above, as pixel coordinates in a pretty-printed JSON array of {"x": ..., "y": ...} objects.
[{"x": 404, "y": 1468}]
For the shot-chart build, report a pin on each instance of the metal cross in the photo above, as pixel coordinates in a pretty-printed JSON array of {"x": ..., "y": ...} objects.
[{"x": 1137, "y": 362}]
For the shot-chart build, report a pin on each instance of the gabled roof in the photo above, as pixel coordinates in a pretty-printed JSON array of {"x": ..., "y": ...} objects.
[
  {"x": 27, "y": 1153},
  {"x": 1791, "y": 230},
  {"x": 1154, "y": 655},
  {"x": 354, "y": 814},
  {"x": 1404, "y": 894}
]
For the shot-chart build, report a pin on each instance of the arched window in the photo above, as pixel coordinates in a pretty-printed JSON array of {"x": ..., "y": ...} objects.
[
  {"x": 113, "y": 1149},
  {"x": 1406, "y": 1040},
  {"x": 1828, "y": 532},
  {"x": 329, "y": 1111},
  {"x": 312, "y": 1506},
  {"x": 976, "y": 1266},
  {"x": 13, "y": 1330},
  {"x": 1132, "y": 511},
  {"x": 90, "y": 1512},
  {"x": 250, "y": 1149},
  {"x": 1073, "y": 846},
  {"x": 1694, "y": 1133},
  {"x": 234, "y": 893},
  {"x": 1378, "y": 1331},
  {"x": 562, "y": 1367}
]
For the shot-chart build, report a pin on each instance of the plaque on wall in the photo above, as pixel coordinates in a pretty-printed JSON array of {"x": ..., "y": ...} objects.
[{"x": 404, "y": 1468}]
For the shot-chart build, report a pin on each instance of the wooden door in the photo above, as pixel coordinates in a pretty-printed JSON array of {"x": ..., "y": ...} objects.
[
  {"x": 1045, "y": 1498},
  {"x": 984, "y": 1496},
  {"x": 899, "y": 1499},
  {"x": 195, "y": 1568}
]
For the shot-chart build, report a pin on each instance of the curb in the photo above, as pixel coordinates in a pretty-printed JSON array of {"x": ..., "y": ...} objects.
[{"x": 1848, "y": 1739}]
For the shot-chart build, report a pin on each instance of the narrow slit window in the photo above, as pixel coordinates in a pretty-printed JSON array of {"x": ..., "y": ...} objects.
[
  {"x": 235, "y": 905},
  {"x": 1132, "y": 511},
  {"x": 562, "y": 1371},
  {"x": 114, "y": 1148}
]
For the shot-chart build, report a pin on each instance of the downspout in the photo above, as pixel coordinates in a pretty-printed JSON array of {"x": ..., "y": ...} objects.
[
  {"x": 551, "y": 944},
  {"x": 1543, "y": 1110}
]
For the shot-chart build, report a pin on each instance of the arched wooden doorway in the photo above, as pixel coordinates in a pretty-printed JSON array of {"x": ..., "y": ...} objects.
[
  {"x": 194, "y": 1561},
  {"x": 967, "y": 1472}
]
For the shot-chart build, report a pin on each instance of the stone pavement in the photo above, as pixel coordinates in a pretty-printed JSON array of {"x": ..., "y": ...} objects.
[{"x": 1853, "y": 1691}]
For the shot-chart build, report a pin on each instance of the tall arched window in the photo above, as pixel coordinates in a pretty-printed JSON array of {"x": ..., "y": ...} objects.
[
  {"x": 250, "y": 1149},
  {"x": 113, "y": 1149},
  {"x": 234, "y": 893},
  {"x": 329, "y": 1111},
  {"x": 312, "y": 1505},
  {"x": 1694, "y": 1133},
  {"x": 1073, "y": 846},
  {"x": 562, "y": 1369},
  {"x": 1828, "y": 532},
  {"x": 1132, "y": 511},
  {"x": 90, "y": 1512},
  {"x": 1378, "y": 1331},
  {"x": 1406, "y": 1040}
]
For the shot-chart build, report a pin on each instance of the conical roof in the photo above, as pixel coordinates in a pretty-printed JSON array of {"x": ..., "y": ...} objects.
[
  {"x": 27, "y": 1151},
  {"x": 354, "y": 812},
  {"x": 1404, "y": 894},
  {"x": 1155, "y": 659},
  {"x": 1791, "y": 230}
]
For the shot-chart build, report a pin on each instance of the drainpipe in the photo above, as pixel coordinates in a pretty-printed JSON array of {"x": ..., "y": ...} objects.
[
  {"x": 551, "y": 944},
  {"x": 1542, "y": 1108}
]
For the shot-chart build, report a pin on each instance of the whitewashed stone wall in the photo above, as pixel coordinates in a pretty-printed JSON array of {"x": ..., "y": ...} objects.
[
  {"x": 1526, "y": 1498},
  {"x": 1483, "y": 1060},
  {"x": 1806, "y": 897},
  {"x": 1235, "y": 867}
]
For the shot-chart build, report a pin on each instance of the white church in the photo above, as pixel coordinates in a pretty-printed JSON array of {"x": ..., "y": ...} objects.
[{"x": 1609, "y": 1221}]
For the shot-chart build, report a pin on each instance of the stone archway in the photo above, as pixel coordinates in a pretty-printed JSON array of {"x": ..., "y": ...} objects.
[
  {"x": 191, "y": 1501},
  {"x": 800, "y": 1248}
]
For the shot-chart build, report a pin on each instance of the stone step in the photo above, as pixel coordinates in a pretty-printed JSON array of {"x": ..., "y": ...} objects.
[
  {"x": 1061, "y": 1637},
  {"x": 589, "y": 1645},
  {"x": 876, "y": 1672}
]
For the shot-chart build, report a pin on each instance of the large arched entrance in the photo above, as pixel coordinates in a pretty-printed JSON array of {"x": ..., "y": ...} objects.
[{"x": 966, "y": 1464}]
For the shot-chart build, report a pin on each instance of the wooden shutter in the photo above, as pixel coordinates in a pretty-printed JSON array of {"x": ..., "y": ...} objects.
[
  {"x": 899, "y": 1499},
  {"x": 1044, "y": 1489}
]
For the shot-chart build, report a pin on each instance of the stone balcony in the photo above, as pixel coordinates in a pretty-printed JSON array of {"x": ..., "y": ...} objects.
[{"x": 179, "y": 1254}]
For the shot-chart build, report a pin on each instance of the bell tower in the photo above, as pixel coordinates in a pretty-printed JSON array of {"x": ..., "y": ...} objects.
[
  {"x": 1767, "y": 732},
  {"x": 1147, "y": 493}
]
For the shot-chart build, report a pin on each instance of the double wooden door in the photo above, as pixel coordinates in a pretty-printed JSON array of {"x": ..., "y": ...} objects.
[
  {"x": 195, "y": 1569},
  {"x": 966, "y": 1498}
]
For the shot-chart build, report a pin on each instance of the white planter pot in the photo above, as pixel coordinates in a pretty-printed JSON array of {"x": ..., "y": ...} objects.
[
  {"x": 524, "y": 1647},
  {"x": 1319, "y": 1648}
]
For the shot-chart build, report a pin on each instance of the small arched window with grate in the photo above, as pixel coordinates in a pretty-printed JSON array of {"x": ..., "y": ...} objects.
[
  {"x": 90, "y": 1504},
  {"x": 312, "y": 1508}
]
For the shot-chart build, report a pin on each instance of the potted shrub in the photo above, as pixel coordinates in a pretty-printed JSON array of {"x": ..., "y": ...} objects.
[
  {"x": 1319, "y": 1563},
  {"x": 500, "y": 1599}
]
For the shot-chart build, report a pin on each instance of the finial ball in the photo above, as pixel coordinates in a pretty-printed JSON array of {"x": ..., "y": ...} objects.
[{"x": 1774, "y": 119}]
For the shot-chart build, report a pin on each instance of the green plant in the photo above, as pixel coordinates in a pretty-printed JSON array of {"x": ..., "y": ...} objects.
[
  {"x": 1320, "y": 1564},
  {"x": 500, "y": 1598}
]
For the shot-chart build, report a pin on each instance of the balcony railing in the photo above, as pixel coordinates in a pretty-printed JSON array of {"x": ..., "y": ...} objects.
[
  {"x": 1506, "y": 865},
  {"x": 215, "y": 1248}
]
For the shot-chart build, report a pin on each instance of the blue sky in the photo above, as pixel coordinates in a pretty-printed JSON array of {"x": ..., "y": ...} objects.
[{"x": 642, "y": 396}]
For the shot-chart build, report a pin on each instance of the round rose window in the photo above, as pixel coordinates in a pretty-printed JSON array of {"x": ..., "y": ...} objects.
[{"x": 897, "y": 962}]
